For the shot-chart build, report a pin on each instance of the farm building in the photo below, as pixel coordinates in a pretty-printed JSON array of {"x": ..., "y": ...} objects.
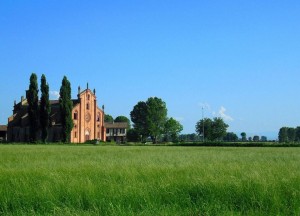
[
  {"x": 3, "y": 133},
  {"x": 116, "y": 131}
]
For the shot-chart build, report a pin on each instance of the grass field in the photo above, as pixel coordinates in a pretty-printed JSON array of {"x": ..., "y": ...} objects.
[{"x": 114, "y": 180}]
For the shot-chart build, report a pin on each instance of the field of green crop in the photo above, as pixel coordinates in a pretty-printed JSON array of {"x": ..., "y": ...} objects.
[{"x": 115, "y": 180}]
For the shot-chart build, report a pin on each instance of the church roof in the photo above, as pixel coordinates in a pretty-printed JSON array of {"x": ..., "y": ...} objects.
[{"x": 20, "y": 118}]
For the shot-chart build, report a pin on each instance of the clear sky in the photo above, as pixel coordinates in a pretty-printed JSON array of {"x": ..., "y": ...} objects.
[{"x": 238, "y": 59}]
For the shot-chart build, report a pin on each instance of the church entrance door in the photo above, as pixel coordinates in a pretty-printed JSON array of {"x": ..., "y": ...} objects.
[{"x": 87, "y": 135}]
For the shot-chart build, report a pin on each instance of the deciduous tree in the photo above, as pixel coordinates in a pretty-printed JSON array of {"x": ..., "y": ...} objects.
[
  {"x": 283, "y": 135},
  {"x": 291, "y": 133},
  {"x": 219, "y": 128},
  {"x": 133, "y": 135},
  {"x": 172, "y": 130},
  {"x": 157, "y": 117},
  {"x": 231, "y": 137},
  {"x": 297, "y": 136},
  {"x": 213, "y": 129},
  {"x": 244, "y": 136},
  {"x": 256, "y": 138},
  {"x": 205, "y": 124},
  {"x": 108, "y": 118},
  {"x": 149, "y": 118},
  {"x": 139, "y": 117}
]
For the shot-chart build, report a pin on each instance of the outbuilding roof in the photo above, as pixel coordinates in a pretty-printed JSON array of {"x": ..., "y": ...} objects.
[
  {"x": 3, "y": 128},
  {"x": 115, "y": 124}
]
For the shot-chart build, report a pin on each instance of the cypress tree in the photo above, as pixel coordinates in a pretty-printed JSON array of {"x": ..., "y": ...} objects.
[
  {"x": 33, "y": 107},
  {"x": 44, "y": 108},
  {"x": 66, "y": 106}
]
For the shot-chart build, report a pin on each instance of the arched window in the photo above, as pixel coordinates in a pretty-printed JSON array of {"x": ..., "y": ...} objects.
[
  {"x": 98, "y": 117},
  {"x": 87, "y": 106},
  {"x": 88, "y": 97},
  {"x": 75, "y": 115}
]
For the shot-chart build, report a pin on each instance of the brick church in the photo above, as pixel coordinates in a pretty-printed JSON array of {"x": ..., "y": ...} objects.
[{"x": 88, "y": 120}]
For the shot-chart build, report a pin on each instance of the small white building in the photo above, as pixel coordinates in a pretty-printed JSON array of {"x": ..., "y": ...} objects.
[{"x": 116, "y": 131}]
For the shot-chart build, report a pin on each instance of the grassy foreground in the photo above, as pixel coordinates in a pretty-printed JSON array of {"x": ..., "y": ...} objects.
[{"x": 114, "y": 180}]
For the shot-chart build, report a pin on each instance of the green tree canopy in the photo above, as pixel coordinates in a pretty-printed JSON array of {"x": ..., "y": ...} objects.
[
  {"x": 149, "y": 118},
  {"x": 297, "y": 134},
  {"x": 139, "y": 118},
  {"x": 172, "y": 130},
  {"x": 291, "y": 133},
  {"x": 213, "y": 129},
  {"x": 244, "y": 136},
  {"x": 33, "y": 107},
  {"x": 256, "y": 138},
  {"x": 219, "y": 128},
  {"x": 231, "y": 137},
  {"x": 66, "y": 106},
  {"x": 108, "y": 118},
  {"x": 44, "y": 108},
  {"x": 204, "y": 127},
  {"x": 157, "y": 117},
  {"x": 123, "y": 119},
  {"x": 133, "y": 135},
  {"x": 283, "y": 135}
]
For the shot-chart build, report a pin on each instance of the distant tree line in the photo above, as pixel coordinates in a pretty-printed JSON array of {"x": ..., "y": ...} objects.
[
  {"x": 39, "y": 113},
  {"x": 289, "y": 134}
]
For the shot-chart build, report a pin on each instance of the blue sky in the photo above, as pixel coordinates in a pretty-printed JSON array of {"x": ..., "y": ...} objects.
[{"x": 238, "y": 59}]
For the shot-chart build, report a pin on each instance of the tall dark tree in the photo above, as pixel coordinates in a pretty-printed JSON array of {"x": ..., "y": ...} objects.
[
  {"x": 263, "y": 139},
  {"x": 157, "y": 117},
  {"x": 256, "y": 138},
  {"x": 44, "y": 108},
  {"x": 231, "y": 137},
  {"x": 133, "y": 136},
  {"x": 297, "y": 134},
  {"x": 283, "y": 135},
  {"x": 33, "y": 107},
  {"x": 139, "y": 118},
  {"x": 244, "y": 136},
  {"x": 291, "y": 132},
  {"x": 66, "y": 106}
]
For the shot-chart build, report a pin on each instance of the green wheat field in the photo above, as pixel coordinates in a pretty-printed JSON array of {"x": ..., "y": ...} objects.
[{"x": 148, "y": 180}]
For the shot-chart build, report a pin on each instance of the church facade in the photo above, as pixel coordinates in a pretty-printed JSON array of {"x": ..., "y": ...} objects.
[{"x": 88, "y": 120}]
